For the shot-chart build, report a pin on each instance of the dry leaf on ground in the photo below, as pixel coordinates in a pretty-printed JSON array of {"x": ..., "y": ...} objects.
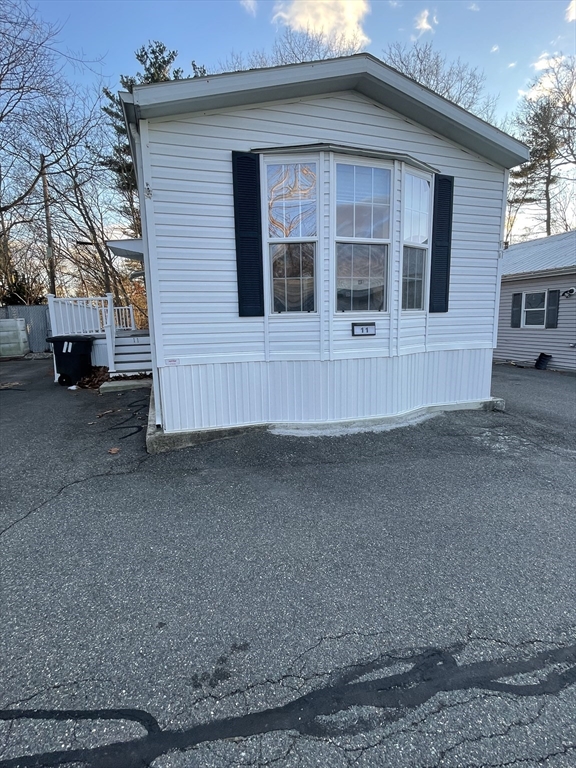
[{"x": 114, "y": 450}]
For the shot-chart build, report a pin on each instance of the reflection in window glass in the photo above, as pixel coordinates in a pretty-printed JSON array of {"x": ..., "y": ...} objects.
[
  {"x": 293, "y": 276},
  {"x": 413, "y": 278},
  {"x": 416, "y": 209},
  {"x": 535, "y": 308},
  {"x": 362, "y": 202},
  {"x": 361, "y": 271},
  {"x": 291, "y": 200}
]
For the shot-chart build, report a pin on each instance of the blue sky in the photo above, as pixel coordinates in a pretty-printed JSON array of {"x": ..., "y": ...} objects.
[{"x": 508, "y": 39}]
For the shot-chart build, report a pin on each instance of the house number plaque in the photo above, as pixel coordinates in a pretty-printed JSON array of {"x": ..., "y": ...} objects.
[{"x": 363, "y": 329}]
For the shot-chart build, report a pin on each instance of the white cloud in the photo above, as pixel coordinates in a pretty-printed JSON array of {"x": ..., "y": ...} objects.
[
  {"x": 473, "y": 7},
  {"x": 512, "y": 64},
  {"x": 545, "y": 61},
  {"x": 495, "y": 49},
  {"x": 423, "y": 25},
  {"x": 249, "y": 6},
  {"x": 546, "y": 82},
  {"x": 328, "y": 17},
  {"x": 571, "y": 11},
  {"x": 394, "y": 3}
]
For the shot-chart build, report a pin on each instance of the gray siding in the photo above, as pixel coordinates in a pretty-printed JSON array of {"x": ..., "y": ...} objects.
[
  {"x": 525, "y": 344},
  {"x": 37, "y": 323}
]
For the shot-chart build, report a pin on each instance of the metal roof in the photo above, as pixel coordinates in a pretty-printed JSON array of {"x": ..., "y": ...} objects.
[
  {"x": 362, "y": 73},
  {"x": 542, "y": 255}
]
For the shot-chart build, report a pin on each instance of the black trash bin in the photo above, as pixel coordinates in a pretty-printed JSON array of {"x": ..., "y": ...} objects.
[
  {"x": 73, "y": 357},
  {"x": 542, "y": 361}
]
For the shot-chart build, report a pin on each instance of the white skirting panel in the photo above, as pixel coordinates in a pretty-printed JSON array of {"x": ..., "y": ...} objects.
[
  {"x": 307, "y": 391},
  {"x": 100, "y": 352}
]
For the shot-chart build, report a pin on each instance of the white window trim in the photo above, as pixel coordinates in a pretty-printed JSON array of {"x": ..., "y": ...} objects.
[
  {"x": 369, "y": 162},
  {"x": 524, "y": 310},
  {"x": 285, "y": 159},
  {"x": 323, "y": 250},
  {"x": 425, "y": 247}
]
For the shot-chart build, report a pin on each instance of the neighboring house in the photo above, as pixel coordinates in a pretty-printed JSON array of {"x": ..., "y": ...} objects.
[
  {"x": 321, "y": 245},
  {"x": 538, "y": 302}
]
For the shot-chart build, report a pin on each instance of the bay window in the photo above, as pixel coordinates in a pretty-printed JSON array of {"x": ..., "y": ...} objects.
[{"x": 365, "y": 220}]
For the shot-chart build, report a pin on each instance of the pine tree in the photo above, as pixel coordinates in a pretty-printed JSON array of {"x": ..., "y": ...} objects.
[
  {"x": 157, "y": 63},
  {"x": 533, "y": 183}
]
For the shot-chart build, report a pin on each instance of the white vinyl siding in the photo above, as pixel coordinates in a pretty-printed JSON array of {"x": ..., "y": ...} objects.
[
  {"x": 525, "y": 344},
  {"x": 218, "y": 395},
  {"x": 191, "y": 182},
  {"x": 217, "y": 369}
]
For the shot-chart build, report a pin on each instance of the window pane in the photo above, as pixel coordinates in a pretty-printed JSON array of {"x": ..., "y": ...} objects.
[
  {"x": 413, "y": 278},
  {"x": 279, "y": 295},
  {"x": 278, "y": 254},
  {"x": 381, "y": 222},
  {"x": 292, "y": 267},
  {"x": 416, "y": 209},
  {"x": 361, "y": 263},
  {"x": 362, "y": 184},
  {"x": 345, "y": 219},
  {"x": 534, "y": 317},
  {"x": 343, "y": 294},
  {"x": 360, "y": 293},
  {"x": 361, "y": 277},
  {"x": 291, "y": 200},
  {"x": 362, "y": 202},
  {"x": 381, "y": 186},
  {"x": 345, "y": 183},
  {"x": 363, "y": 221},
  {"x": 535, "y": 300}
]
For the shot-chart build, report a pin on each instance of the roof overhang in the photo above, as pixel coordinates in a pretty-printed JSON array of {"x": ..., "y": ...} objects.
[
  {"x": 362, "y": 73},
  {"x": 537, "y": 273},
  {"x": 344, "y": 149},
  {"x": 129, "y": 249}
]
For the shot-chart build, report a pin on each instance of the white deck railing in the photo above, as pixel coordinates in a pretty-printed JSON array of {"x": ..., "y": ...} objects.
[
  {"x": 89, "y": 316},
  {"x": 124, "y": 318}
]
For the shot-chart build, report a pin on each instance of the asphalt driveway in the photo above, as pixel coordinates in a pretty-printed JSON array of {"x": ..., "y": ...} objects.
[{"x": 399, "y": 599}]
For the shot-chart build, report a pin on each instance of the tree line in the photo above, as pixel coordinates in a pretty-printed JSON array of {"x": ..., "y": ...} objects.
[{"x": 66, "y": 169}]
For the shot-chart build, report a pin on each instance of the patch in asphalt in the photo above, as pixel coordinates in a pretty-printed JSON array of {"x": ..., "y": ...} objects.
[{"x": 413, "y": 678}]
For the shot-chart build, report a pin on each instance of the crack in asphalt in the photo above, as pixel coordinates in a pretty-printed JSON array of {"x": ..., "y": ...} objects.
[
  {"x": 61, "y": 489},
  {"x": 433, "y": 670}
]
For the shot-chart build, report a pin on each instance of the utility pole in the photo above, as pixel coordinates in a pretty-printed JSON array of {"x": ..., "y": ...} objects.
[
  {"x": 49, "y": 242},
  {"x": 4, "y": 252}
]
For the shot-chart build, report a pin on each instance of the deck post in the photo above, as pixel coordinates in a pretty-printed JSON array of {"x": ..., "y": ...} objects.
[
  {"x": 110, "y": 330},
  {"x": 53, "y": 328}
]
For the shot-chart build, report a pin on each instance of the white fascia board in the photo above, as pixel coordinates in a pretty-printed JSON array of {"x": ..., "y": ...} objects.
[{"x": 362, "y": 73}]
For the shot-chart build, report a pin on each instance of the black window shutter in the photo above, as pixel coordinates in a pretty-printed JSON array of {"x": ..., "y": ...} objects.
[
  {"x": 441, "y": 243},
  {"x": 248, "y": 229},
  {"x": 516, "y": 318},
  {"x": 552, "y": 309}
]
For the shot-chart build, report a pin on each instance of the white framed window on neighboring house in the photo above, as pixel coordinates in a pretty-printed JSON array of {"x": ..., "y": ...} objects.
[
  {"x": 535, "y": 309},
  {"x": 416, "y": 239},
  {"x": 292, "y": 234},
  {"x": 362, "y": 236}
]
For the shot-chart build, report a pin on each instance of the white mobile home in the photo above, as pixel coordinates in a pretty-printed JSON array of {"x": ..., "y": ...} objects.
[
  {"x": 321, "y": 245},
  {"x": 538, "y": 302}
]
